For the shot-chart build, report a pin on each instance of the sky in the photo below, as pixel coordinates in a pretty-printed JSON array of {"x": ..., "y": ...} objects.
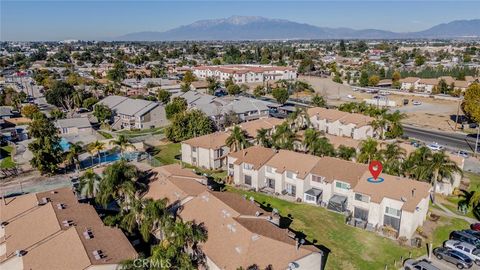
[{"x": 96, "y": 20}]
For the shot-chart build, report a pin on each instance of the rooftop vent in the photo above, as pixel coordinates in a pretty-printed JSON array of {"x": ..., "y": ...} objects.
[
  {"x": 238, "y": 249},
  {"x": 53, "y": 192},
  {"x": 20, "y": 252},
  {"x": 255, "y": 237},
  {"x": 205, "y": 198},
  {"x": 98, "y": 254},
  {"x": 88, "y": 234},
  {"x": 43, "y": 201},
  {"x": 232, "y": 227},
  {"x": 67, "y": 223},
  {"x": 403, "y": 199},
  {"x": 4, "y": 224},
  {"x": 61, "y": 206}
]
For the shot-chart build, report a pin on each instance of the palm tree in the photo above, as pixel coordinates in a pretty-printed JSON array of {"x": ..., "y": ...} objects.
[
  {"x": 262, "y": 138},
  {"x": 345, "y": 152},
  {"x": 72, "y": 156},
  {"x": 470, "y": 199},
  {"x": 392, "y": 156},
  {"x": 237, "y": 140},
  {"x": 379, "y": 125},
  {"x": 299, "y": 119},
  {"x": 442, "y": 166},
  {"x": 323, "y": 147},
  {"x": 120, "y": 183},
  {"x": 95, "y": 148},
  {"x": 89, "y": 184},
  {"x": 368, "y": 151},
  {"x": 395, "y": 128},
  {"x": 416, "y": 165},
  {"x": 284, "y": 137},
  {"x": 309, "y": 138},
  {"x": 122, "y": 143}
]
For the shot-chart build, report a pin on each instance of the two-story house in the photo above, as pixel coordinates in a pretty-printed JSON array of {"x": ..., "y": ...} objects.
[{"x": 207, "y": 151}]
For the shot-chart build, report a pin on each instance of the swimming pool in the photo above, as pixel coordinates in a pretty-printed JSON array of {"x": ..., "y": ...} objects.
[
  {"x": 64, "y": 144},
  {"x": 107, "y": 157}
]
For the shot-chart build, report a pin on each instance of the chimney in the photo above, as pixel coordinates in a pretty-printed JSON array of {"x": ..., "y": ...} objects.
[{"x": 413, "y": 192}]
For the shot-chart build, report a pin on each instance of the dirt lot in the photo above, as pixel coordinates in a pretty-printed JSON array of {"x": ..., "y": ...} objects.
[{"x": 432, "y": 113}]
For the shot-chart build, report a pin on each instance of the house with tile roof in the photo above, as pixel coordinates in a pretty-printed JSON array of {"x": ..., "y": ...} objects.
[
  {"x": 337, "y": 184},
  {"x": 240, "y": 232},
  {"x": 246, "y": 73},
  {"x": 343, "y": 124},
  {"x": 207, "y": 151},
  {"x": 52, "y": 230}
]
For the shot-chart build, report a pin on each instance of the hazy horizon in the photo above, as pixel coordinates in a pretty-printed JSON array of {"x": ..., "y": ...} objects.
[{"x": 100, "y": 20}]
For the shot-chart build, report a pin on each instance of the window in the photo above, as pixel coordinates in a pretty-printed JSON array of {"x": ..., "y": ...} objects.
[
  {"x": 247, "y": 166},
  {"x": 291, "y": 189},
  {"x": 230, "y": 165},
  {"x": 269, "y": 169},
  {"x": 362, "y": 198},
  {"x": 360, "y": 213},
  {"x": 310, "y": 198},
  {"x": 194, "y": 160},
  {"x": 393, "y": 212},
  {"x": 248, "y": 180},
  {"x": 342, "y": 185},
  {"x": 289, "y": 174},
  {"x": 271, "y": 183},
  {"x": 194, "y": 149},
  {"x": 317, "y": 178}
]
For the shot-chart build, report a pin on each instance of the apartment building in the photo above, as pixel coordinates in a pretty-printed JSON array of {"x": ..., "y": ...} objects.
[
  {"x": 52, "y": 230},
  {"x": 334, "y": 122},
  {"x": 135, "y": 113},
  {"x": 427, "y": 85},
  {"x": 207, "y": 151},
  {"x": 337, "y": 184},
  {"x": 251, "y": 128},
  {"x": 240, "y": 232},
  {"x": 246, "y": 73}
]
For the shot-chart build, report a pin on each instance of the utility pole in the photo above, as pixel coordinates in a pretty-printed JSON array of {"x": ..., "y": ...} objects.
[
  {"x": 458, "y": 111},
  {"x": 478, "y": 136}
]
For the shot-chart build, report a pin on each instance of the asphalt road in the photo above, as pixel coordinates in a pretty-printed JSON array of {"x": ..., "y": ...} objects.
[{"x": 450, "y": 140}]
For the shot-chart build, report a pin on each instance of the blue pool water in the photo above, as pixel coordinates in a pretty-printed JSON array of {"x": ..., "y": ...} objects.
[
  {"x": 107, "y": 157},
  {"x": 64, "y": 144}
]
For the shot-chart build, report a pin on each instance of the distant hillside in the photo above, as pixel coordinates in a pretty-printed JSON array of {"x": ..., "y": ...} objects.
[{"x": 258, "y": 28}]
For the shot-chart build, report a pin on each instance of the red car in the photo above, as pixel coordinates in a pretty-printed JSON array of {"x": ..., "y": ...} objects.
[{"x": 475, "y": 227}]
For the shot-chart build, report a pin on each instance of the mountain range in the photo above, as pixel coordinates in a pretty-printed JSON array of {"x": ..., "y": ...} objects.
[{"x": 260, "y": 28}]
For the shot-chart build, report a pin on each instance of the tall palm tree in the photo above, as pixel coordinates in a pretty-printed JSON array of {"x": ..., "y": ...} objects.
[
  {"x": 309, "y": 138},
  {"x": 263, "y": 138},
  {"x": 392, "y": 157},
  {"x": 72, "y": 156},
  {"x": 416, "y": 166},
  {"x": 95, "y": 148},
  {"x": 443, "y": 168},
  {"x": 368, "y": 151},
  {"x": 299, "y": 119},
  {"x": 379, "y": 125},
  {"x": 470, "y": 199},
  {"x": 395, "y": 128},
  {"x": 284, "y": 137},
  {"x": 122, "y": 143},
  {"x": 89, "y": 184},
  {"x": 237, "y": 140},
  {"x": 346, "y": 153},
  {"x": 119, "y": 183},
  {"x": 323, "y": 147}
]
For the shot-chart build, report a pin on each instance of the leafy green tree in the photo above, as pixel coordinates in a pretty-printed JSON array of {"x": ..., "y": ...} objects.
[
  {"x": 373, "y": 80},
  {"x": 470, "y": 105},
  {"x": 56, "y": 114},
  {"x": 46, "y": 150},
  {"x": 259, "y": 91},
  {"x": 234, "y": 89},
  {"x": 118, "y": 73},
  {"x": 30, "y": 110},
  {"x": 280, "y": 94},
  {"x": 442, "y": 87},
  {"x": 419, "y": 60},
  {"x": 319, "y": 101},
  {"x": 363, "y": 79},
  {"x": 345, "y": 152},
  {"x": 89, "y": 102},
  {"x": 163, "y": 96},
  {"x": 72, "y": 156},
  {"x": 213, "y": 85},
  {"x": 175, "y": 106},
  {"x": 188, "y": 77},
  {"x": 189, "y": 124},
  {"x": 103, "y": 113},
  {"x": 58, "y": 93}
]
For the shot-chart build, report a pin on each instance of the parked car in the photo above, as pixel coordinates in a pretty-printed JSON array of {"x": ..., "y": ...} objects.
[
  {"x": 424, "y": 264},
  {"x": 416, "y": 103},
  {"x": 435, "y": 146},
  {"x": 474, "y": 233},
  {"x": 463, "y": 154},
  {"x": 470, "y": 250},
  {"x": 415, "y": 144},
  {"x": 350, "y": 97},
  {"x": 460, "y": 260},
  {"x": 465, "y": 237},
  {"x": 475, "y": 226}
]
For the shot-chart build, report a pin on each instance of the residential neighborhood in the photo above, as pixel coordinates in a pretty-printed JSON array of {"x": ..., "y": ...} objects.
[{"x": 180, "y": 135}]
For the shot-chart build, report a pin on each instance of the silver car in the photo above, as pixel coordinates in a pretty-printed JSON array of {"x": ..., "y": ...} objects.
[
  {"x": 465, "y": 248},
  {"x": 424, "y": 264}
]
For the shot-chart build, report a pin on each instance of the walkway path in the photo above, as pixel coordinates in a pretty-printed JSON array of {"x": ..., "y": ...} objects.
[{"x": 454, "y": 215}]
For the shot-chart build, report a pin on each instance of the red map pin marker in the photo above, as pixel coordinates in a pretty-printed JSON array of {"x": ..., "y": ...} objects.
[{"x": 375, "y": 168}]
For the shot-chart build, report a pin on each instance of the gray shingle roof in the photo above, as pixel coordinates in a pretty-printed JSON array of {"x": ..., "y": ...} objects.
[
  {"x": 128, "y": 106},
  {"x": 79, "y": 122}
]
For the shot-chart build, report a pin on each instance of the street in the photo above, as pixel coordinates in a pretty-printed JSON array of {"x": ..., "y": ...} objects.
[{"x": 451, "y": 140}]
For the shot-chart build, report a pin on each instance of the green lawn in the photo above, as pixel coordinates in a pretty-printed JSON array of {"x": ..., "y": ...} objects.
[
  {"x": 446, "y": 226},
  {"x": 166, "y": 154},
  {"x": 7, "y": 162},
  {"x": 452, "y": 201},
  {"x": 351, "y": 248},
  {"x": 141, "y": 132},
  {"x": 106, "y": 135}
]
